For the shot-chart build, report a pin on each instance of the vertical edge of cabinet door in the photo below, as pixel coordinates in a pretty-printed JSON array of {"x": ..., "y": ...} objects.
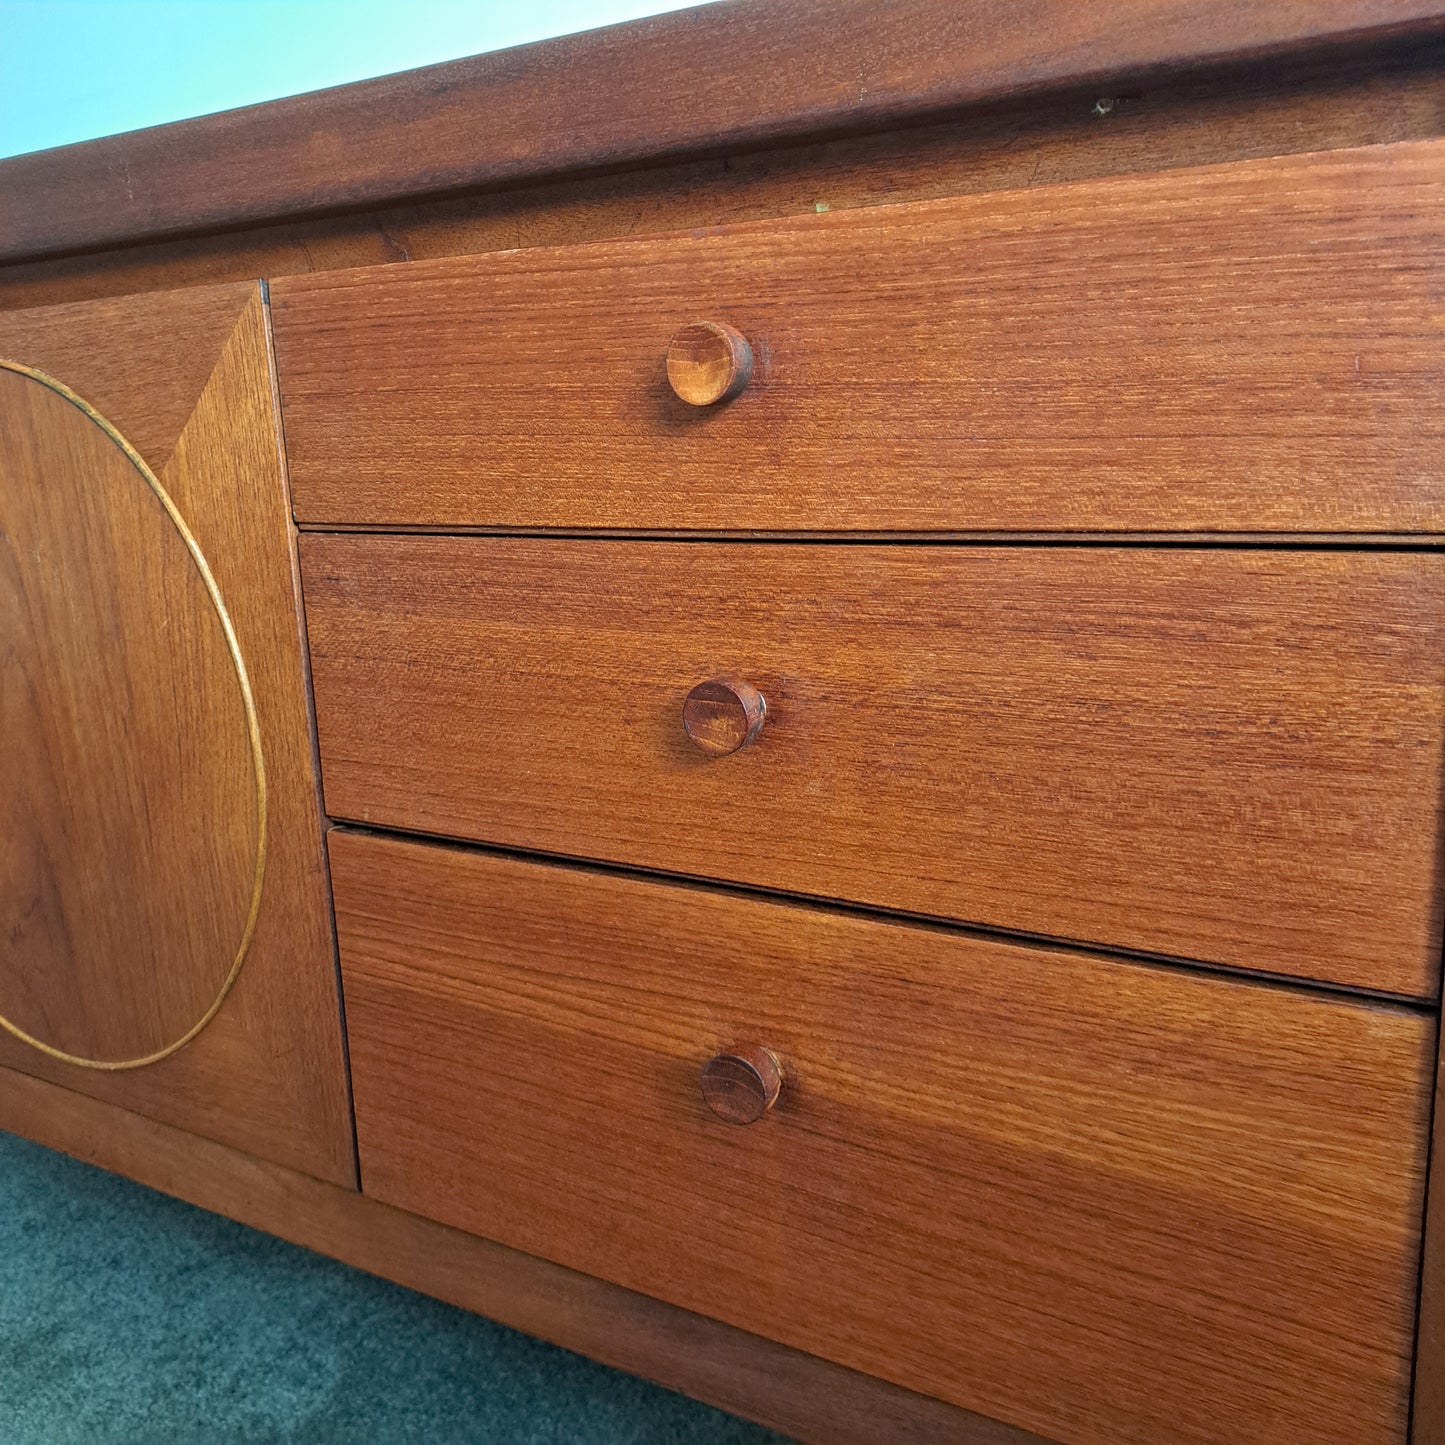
[
  {"x": 267, "y": 1074},
  {"x": 1252, "y": 346},
  {"x": 1098, "y": 1199},
  {"x": 1427, "y": 1417}
]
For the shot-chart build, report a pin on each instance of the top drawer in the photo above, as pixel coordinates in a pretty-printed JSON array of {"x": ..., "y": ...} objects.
[{"x": 1250, "y": 347}]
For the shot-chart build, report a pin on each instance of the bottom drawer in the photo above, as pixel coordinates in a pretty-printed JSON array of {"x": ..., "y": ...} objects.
[{"x": 1102, "y": 1200}]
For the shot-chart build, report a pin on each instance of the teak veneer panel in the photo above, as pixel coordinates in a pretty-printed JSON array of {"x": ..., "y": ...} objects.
[
  {"x": 1248, "y": 347},
  {"x": 141, "y": 363},
  {"x": 128, "y": 819},
  {"x": 1099, "y": 1200},
  {"x": 268, "y": 1074},
  {"x": 1228, "y": 755}
]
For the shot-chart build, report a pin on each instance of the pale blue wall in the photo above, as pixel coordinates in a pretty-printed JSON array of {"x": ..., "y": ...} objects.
[{"x": 73, "y": 69}]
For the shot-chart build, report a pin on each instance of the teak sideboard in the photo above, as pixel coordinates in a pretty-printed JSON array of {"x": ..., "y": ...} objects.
[{"x": 765, "y": 692}]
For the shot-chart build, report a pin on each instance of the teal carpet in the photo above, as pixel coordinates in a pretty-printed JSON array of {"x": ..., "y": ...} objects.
[{"x": 128, "y": 1317}]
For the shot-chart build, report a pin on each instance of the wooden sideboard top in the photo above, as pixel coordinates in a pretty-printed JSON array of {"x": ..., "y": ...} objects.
[{"x": 708, "y": 80}]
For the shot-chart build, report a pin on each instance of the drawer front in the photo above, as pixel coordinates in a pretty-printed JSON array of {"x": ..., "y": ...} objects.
[
  {"x": 1215, "y": 754},
  {"x": 1249, "y": 347},
  {"x": 1101, "y": 1200}
]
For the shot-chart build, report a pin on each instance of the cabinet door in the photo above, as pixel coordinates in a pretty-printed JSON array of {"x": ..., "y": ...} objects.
[{"x": 165, "y": 933}]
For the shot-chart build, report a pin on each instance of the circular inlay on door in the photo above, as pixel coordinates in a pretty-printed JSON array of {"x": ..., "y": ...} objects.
[{"x": 132, "y": 787}]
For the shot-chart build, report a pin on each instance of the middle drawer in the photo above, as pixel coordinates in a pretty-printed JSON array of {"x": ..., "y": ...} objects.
[{"x": 1225, "y": 755}]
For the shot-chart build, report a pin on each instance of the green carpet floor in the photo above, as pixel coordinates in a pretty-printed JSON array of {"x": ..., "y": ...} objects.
[{"x": 126, "y": 1316}]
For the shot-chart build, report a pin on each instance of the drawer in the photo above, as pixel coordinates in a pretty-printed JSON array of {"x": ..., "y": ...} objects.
[
  {"x": 1228, "y": 755},
  {"x": 1105, "y": 1201},
  {"x": 1249, "y": 347}
]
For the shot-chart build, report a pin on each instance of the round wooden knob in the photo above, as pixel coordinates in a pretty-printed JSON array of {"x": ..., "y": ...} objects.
[
  {"x": 723, "y": 715},
  {"x": 741, "y": 1083},
  {"x": 708, "y": 362}
]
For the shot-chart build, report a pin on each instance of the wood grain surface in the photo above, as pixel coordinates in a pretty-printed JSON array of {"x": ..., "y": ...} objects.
[
  {"x": 708, "y": 363},
  {"x": 129, "y": 832},
  {"x": 741, "y": 1082},
  {"x": 1427, "y": 1420},
  {"x": 1100, "y": 1200},
  {"x": 1249, "y": 347},
  {"x": 119, "y": 728},
  {"x": 1372, "y": 98},
  {"x": 706, "y": 79},
  {"x": 722, "y": 715},
  {"x": 1229, "y": 755},
  {"x": 794, "y": 1392},
  {"x": 141, "y": 364}
]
